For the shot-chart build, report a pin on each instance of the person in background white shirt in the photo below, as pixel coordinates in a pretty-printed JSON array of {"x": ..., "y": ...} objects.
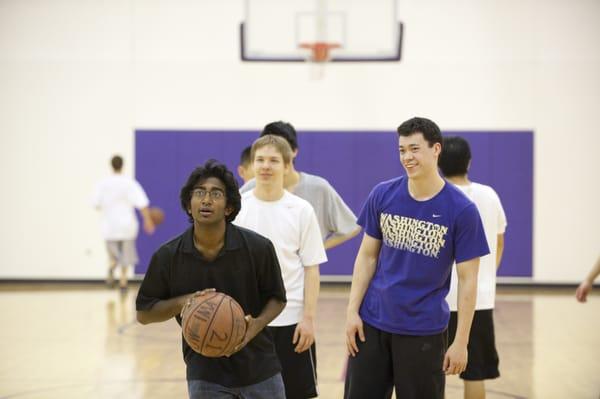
[
  {"x": 117, "y": 197},
  {"x": 483, "y": 362},
  {"x": 291, "y": 224}
]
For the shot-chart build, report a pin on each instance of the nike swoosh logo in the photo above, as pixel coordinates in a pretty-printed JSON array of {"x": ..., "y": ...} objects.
[{"x": 436, "y": 216}]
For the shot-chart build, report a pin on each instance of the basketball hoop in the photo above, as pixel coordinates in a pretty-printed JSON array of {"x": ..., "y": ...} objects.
[{"x": 320, "y": 50}]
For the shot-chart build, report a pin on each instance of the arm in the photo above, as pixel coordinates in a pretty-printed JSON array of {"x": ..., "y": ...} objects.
[
  {"x": 586, "y": 285},
  {"x": 304, "y": 335},
  {"x": 339, "y": 220},
  {"x": 168, "y": 308},
  {"x": 455, "y": 360},
  {"x": 271, "y": 290},
  {"x": 148, "y": 223},
  {"x": 364, "y": 268},
  {"x": 336, "y": 240},
  {"x": 272, "y": 308},
  {"x": 499, "y": 250}
]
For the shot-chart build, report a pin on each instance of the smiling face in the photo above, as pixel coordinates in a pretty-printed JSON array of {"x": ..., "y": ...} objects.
[
  {"x": 269, "y": 166},
  {"x": 208, "y": 203},
  {"x": 417, "y": 157}
]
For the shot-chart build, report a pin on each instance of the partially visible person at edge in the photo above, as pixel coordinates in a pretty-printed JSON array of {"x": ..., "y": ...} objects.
[{"x": 586, "y": 285}]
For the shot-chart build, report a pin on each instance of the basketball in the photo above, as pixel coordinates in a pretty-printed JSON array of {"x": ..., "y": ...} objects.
[
  {"x": 157, "y": 215},
  {"x": 213, "y": 324}
]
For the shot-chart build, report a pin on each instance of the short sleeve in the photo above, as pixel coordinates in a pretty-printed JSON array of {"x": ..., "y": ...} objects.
[
  {"x": 501, "y": 215},
  {"x": 138, "y": 196},
  {"x": 249, "y": 185},
  {"x": 155, "y": 286},
  {"x": 340, "y": 218},
  {"x": 469, "y": 236},
  {"x": 269, "y": 275},
  {"x": 369, "y": 216},
  {"x": 312, "y": 251}
]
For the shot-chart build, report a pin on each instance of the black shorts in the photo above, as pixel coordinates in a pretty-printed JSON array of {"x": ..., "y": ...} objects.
[
  {"x": 483, "y": 358},
  {"x": 299, "y": 370},
  {"x": 410, "y": 364}
]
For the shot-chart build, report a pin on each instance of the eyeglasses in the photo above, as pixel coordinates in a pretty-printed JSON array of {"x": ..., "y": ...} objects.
[{"x": 201, "y": 193}]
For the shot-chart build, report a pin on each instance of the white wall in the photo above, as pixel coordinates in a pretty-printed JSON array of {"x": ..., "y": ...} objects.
[{"x": 77, "y": 77}]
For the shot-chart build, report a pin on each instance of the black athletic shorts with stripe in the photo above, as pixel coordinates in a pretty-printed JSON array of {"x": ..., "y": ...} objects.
[
  {"x": 483, "y": 357},
  {"x": 299, "y": 370},
  {"x": 410, "y": 364}
]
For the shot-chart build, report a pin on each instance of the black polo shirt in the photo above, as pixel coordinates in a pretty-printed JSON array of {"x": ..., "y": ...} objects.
[{"x": 246, "y": 269}]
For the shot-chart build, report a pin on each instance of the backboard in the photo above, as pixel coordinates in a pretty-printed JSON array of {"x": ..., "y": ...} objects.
[{"x": 320, "y": 30}]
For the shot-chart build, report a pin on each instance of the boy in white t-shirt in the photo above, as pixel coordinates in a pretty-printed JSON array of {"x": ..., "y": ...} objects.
[
  {"x": 290, "y": 223},
  {"x": 483, "y": 362}
]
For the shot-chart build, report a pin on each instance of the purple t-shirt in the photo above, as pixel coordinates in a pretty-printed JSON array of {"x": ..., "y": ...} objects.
[{"x": 420, "y": 240}]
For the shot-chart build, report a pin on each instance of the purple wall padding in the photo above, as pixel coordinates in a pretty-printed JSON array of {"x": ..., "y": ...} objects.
[{"x": 353, "y": 162}]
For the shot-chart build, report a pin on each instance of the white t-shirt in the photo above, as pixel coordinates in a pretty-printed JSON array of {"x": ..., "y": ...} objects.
[
  {"x": 494, "y": 223},
  {"x": 290, "y": 223},
  {"x": 116, "y": 197}
]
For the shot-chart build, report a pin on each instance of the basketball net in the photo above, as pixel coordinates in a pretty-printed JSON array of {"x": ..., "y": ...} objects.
[{"x": 320, "y": 50}]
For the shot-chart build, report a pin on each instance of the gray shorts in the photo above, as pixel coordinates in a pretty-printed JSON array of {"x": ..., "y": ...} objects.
[{"x": 123, "y": 253}]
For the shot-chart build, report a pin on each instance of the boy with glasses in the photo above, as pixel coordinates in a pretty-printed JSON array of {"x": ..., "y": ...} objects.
[{"x": 214, "y": 254}]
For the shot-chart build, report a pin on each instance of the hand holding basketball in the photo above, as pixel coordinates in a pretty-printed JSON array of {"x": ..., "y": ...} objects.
[
  {"x": 189, "y": 298},
  {"x": 253, "y": 327}
]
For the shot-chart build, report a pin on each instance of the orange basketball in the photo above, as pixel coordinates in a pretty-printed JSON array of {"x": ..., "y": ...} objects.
[
  {"x": 157, "y": 215},
  {"x": 213, "y": 324}
]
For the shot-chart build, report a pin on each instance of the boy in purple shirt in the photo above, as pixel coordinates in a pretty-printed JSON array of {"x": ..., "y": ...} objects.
[{"x": 416, "y": 226}]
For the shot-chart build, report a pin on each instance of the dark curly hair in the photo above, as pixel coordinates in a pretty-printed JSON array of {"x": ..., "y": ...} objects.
[
  {"x": 431, "y": 132},
  {"x": 212, "y": 168}
]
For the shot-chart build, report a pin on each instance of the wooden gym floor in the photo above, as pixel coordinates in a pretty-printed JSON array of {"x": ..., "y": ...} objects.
[{"x": 82, "y": 341}]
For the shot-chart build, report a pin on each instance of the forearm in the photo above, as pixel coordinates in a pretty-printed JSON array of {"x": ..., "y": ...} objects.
[
  {"x": 593, "y": 274},
  {"x": 311, "y": 291},
  {"x": 499, "y": 250},
  {"x": 162, "y": 310},
  {"x": 364, "y": 268},
  {"x": 271, "y": 310},
  {"x": 145, "y": 212},
  {"x": 336, "y": 240},
  {"x": 467, "y": 296}
]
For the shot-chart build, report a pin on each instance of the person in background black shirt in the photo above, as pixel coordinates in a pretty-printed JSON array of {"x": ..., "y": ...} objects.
[{"x": 214, "y": 255}]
